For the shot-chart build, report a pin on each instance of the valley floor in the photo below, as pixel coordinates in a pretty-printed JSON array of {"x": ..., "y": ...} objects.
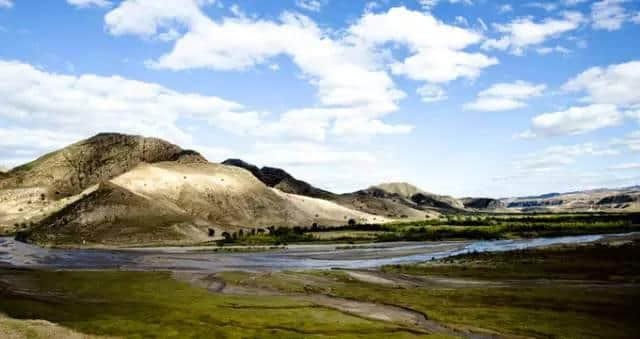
[{"x": 567, "y": 291}]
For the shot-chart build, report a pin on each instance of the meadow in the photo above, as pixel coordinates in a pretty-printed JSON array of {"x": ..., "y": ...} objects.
[{"x": 570, "y": 291}]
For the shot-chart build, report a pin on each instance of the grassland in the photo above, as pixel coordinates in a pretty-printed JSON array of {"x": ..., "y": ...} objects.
[
  {"x": 570, "y": 291},
  {"x": 567, "y": 292},
  {"x": 147, "y": 305}
]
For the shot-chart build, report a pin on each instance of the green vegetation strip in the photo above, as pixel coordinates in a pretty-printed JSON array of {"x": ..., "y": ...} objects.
[{"x": 484, "y": 227}]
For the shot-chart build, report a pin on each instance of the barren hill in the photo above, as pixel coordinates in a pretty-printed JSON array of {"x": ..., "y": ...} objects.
[
  {"x": 419, "y": 197},
  {"x": 128, "y": 190},
  {"x": 72, "y": 169}
]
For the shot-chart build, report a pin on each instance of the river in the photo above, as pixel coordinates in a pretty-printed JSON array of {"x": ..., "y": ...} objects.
[{"x": 295, "y": 257}]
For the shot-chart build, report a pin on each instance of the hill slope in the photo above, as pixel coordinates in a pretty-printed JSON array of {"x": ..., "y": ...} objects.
[
  {"x": 74, "y": 168},
  {"x": 386, "y": 206},
  {"x": 419, "y": 197},
  {"x": 626, "y": 199},
  {"x": 170, "y": 202}
]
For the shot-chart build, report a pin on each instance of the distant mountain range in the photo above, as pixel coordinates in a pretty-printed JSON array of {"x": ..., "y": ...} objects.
[{"x": 116, "y": 189}]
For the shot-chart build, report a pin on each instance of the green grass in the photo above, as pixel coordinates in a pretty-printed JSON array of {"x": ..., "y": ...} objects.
[
  {"x": 482, "y": 226},
  {"x": 592, "y": 262},
  {"x": 605, "y": 304},
  {"x": 537, "y": 311},
  {"x": 143, "y": 305}
]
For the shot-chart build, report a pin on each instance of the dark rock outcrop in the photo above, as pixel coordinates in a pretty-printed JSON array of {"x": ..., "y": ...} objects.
[{"x": 280, "y": 179}]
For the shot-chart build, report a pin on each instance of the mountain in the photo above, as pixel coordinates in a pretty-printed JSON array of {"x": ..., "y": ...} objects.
[
  {"x": 128, "y": 190},
  {"x": 389, "y": 205},
  {"x": 601, "y": 199},
  {"x": 419, "y": 197},
  {"x": 68, "y": 171}
]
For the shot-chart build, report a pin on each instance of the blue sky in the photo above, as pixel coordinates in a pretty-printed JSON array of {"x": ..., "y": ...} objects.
[{"x": 460, "y": 97}]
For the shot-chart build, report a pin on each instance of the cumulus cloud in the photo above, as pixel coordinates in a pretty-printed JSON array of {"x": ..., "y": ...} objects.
[
  {"x": 547, "y": 6},
  {"x": 608, "y": 14},
  {"x": 575, "y": 120},
  {"x": 436, "y": 49},
  {"x": 556, "y": 157},
  {"x": 311, "y": 5},
  {"x": 431, "y": 93},
  {"x": 430, "y": 4},
  {"x": 556, "y": 49},
  {"x": 89, "y": 3},
  {"x": 506, "y": 8},
  {"x": 505, "y": 96},
  {"x": 631, "y": 141},
  {"x": 616, "y": 84},
  {"x": 349, "y": 71},
  {"x": 626, "y": 166},
  {"x": 611, "y": 95},
  {"x": 522, "y": 33},
  {"x": 60, "y": 109},
  {"x": 6, "y": 3}
]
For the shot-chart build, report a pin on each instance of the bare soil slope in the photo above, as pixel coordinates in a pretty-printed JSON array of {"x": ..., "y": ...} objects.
[
  {"x": 179, "y": 202},
  {"x": 33, "y": 191}
]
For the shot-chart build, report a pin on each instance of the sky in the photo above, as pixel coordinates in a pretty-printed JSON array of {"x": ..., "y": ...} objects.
[{"x": 459, "y": 97}]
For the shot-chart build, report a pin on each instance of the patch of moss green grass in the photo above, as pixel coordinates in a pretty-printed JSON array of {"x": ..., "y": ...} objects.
[
  {"x": 605, "y": 304},
  {"x": 601, "y": 262},
  {"x": 153, "y": 305}
]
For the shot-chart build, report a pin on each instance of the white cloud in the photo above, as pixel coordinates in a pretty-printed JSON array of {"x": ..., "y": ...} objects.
[
  {"x": 522, "y": 33},
  {"x": 506, "y": 8},
  {"x": 436, "y": 49},
  {"x": 573, "y": 2},
  {"x": 6, "y": 3},
  {"x": 311, "y": 5},
  {"x": 169, "y": 35},
  {"x": 556, "y": 157},
  {"x": 557, "y": 49},
  {"x": 89, "y": 3},
  {"x": 547, "y": 6},
  {"x": 575, "y": 120},
  {"x": 60, "y": 108},
  {"x": 348, "y": 80},
  {"x": 608, "y": 14},
  {"x": 492, "y": 104},
  {"x": 371, "y": 6},
  {"x": 461, "y": 21},
  {"x": 626, "y": 166},
  {"x": 430, "y": 4},
  {"x": 630, "y": 141},
  {"x": 431, "y": 93},
  {"x": 349, "y": 71},
  {"x": 636, "y": 18},
  {"x": 505, "y": 96},
  {"x": 612, "y": 94},
  {"x": 616, "y": 84}
]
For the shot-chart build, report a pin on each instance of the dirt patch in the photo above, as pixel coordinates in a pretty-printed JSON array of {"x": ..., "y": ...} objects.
[{"x": 34, "y": 329}]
